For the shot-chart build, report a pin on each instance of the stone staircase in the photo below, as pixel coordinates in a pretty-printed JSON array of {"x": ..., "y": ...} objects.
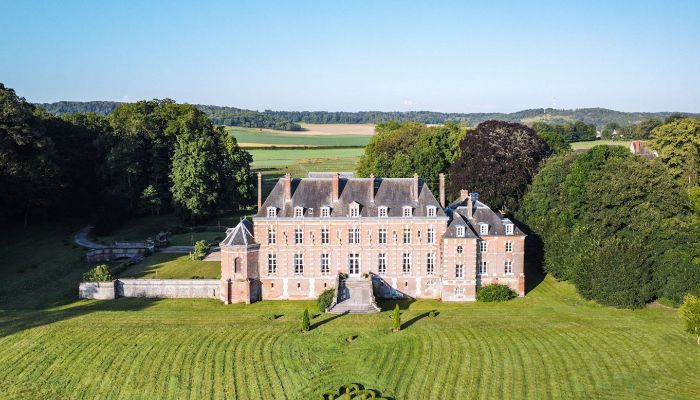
[{"x": 355, "y": 296}]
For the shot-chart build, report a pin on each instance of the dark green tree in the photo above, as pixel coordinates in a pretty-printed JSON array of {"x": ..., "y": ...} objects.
[
  {"x": 305, "y": 322},
  {"x": 396, "y": 319}
]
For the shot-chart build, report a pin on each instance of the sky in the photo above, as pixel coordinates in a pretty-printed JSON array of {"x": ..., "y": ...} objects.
[{"x": 480, "y": 56}]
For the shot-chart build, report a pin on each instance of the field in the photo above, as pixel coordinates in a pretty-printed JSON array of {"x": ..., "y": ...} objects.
[
  {"x": 550, "y": 344},
  {"x": 336, "y": 135},
  {"x": 172, "y": 266},
  {"x": 581, "y": 146}
]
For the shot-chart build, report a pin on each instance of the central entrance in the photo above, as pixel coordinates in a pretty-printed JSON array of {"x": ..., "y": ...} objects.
[{"x": 354, "y": 264}]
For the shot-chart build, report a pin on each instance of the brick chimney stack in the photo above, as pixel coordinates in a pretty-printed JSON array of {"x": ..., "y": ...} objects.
[
  {"x": 371, "y": 188},
  {"x": 463, "y": 195},
  {"x": 442, "y": 190},
  {"x": 287, "y": 187},
  {"x": 259, "y": 191},
  {"x": 415, "y": 187},
  {"x": 335, "y": 187}
]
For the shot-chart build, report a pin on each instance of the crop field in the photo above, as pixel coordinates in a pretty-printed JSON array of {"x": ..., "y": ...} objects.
[
  {"x": 336, "y": 135},
  {"x": 587, "y": 145},
  {"x": 549, "y": 344}
]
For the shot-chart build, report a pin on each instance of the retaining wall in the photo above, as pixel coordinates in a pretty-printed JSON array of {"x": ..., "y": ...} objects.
[
  {"x": 96, "y": 290},
  {"x": 169, "y": 288}
]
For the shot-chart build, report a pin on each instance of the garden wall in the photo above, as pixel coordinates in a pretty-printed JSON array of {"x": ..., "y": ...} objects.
[
  {"x": 96, "y": 290},
  {"x": 151, "y": 288}
]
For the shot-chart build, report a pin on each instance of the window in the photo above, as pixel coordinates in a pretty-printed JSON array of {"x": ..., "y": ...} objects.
[
  {"x": 459, "y": 291},
  {"x": 459, "y": 271},
  {"x": 407, "y": 235},
  {"x": 483, "y": 246},
  {"x": 508, "y": 267},
  {"x": 430, "y": 264},
  {"x": 381, "y": 264},
  {"x": 271, "y": 212},
  {"x": 482, "y": 268},
  {"x": 298, "y": 236},
  {"x": 460, "y": 231},
  {"x": 353, "y": 264},
  {"x": 354, "y": 236},
  {"x": 382, "y": 212},
  {"x": 406, "y": 263},
  {"x": 483, "y": 229},
  {"x": 354, "y": 210},
  {"x": 298, "y": 212},
  {"x": 298, "y": 264},
  {"x": 271, "y": 235},
  {"x": 460, "y": 249},
  {"x": 509, "y": 247},
  {"x": 272, "y": 264},
  {"x": 325, "y": 236},
  {"x": 509, "y": 229},
  {"x": 407, "y": 211},
  {"x": 382, "y": 235},
  {"x": 431, "y": 235},
  {"x": 325, "y": 264},
  {"x": 325, "y": 212},
  {"x": 430, "y": 211}
]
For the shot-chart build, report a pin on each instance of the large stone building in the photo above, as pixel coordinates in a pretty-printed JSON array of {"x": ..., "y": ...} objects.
[{"x": 390, "y": 230}]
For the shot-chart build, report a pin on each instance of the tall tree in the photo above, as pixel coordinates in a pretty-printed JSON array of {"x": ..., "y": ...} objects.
[
  {"x": 498, "y": 160},
  {"x": 678, "y": 144}
]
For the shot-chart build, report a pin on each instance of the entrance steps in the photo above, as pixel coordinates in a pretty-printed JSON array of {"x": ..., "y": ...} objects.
[{"x": 355, "y": 296}]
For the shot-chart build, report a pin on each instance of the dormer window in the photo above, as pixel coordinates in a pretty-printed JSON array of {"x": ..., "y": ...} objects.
[
  {"x": 325, "y": 212},
  {"x": 354, "y": 210},
  {"x": 509, "y": 229},
  {"x": 431, "y": 211},
  {"x": 407, "y": 211},
  {"x": 271, "y": 212},
  {"x": 382, "y": 212},
  {"x": 460, "y": 231},
  {"x": 298, "y": 212},
  {"x": 483, "y": 229}
]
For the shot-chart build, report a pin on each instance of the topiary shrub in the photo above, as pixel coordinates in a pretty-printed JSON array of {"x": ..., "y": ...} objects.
[
  {"x": 201, "y": 249},
  {"x": 325, "y": 299},
  {"x": 495, "y": 292},
  {"x": 98, "y": 274},
  {"x": 305, "y": 322},
  {"x": 396, "y": 319}
]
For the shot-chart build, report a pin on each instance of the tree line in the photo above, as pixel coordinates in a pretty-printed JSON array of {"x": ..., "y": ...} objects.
[{"x": 144, "y": 157}]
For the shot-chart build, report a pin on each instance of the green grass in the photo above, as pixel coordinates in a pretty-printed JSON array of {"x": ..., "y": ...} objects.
[
  {"x": 172, "y": 266},
  {"x": 588, "y": 145},
  {"x": 188, "y": 239},
  {"x": 248, "y": 136}
]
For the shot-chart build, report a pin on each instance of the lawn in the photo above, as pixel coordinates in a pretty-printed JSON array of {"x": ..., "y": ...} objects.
[
  {"x": 550, "y": 344},
  {"x": 588, "y": 145},
  {"x": 172, "y": 266},
  {"x": 253, "y": 137}
]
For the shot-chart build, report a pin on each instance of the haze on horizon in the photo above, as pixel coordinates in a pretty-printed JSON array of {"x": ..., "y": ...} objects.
[{"x": 333, "y": 56}]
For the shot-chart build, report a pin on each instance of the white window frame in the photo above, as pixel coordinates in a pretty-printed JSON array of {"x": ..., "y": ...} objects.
[
  {"x": 298, "y": 235},
  {"x": 298, "y": 212},
  {"x": 382, "y": 235},
  {"x": 271, "y": 235},
  {"x": 483, "y": 229},
  {"x": 508, "y": 267},
  {"x": 459, "y": 271},
  {"x": 354, "y": 211},
  {"x": 483, "y": 246},
  {"x": 298, "y": 264},
  {"x": 325, "y": 235},
  {"x": 382, "y": 212},
  {"x": 353, "y": 235},
  {"x": 509, "y": 229},
  {"x": 325, "y": 212},
  {"x": 483, "y": 268},
  {"x": 460, "y": 231},
  {"x": 431, "y": 235},
  {"x": 459, "y": 291},
  {"x": 271, "y": 212},
  {"x": 460, "y": 249},
  {"x": 509, "y": 247},
  {"x": 406, "y": 264},
  {"x": 407, "y": 212},
  {"x": 381, "y": 264},
  {"x": 325, "y": 264},
  {"x": 271, "y": 264},
  {"x": 354, "y": 260},
  {"x": 431, "y": 211},
  {"x": 406, "y": 235},
  {"x": 430, "y": 264}
]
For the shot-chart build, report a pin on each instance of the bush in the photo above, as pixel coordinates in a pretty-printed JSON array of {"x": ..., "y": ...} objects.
[
  {"x": 325, "y": 299},
  {"x": 396, "y": 319},
  {"x": 98, "y": 274},
  {"x": 305, "y": 323},
  {"x": 495, "y": 292},
  {"x": 201, "y": 249}
]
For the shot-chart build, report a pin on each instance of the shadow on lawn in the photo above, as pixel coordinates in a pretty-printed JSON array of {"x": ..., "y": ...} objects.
[
  {"x": 327, "y": 320},
  {"x": 413, "y": 320}
]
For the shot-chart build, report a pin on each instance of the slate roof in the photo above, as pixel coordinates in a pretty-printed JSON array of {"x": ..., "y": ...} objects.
[
  {"x": 240, "y": 235},
  {"x": 315, "y": 192},
  {"x": 481, "y": 214}
]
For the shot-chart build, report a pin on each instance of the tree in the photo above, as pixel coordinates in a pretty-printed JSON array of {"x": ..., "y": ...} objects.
[
  {"x": 690, "y": 312},
  {"x": 305, "y": 323},
  {"x": 498, "y": 160},
  {"x": 555, "y": 141},
  {"x": 150, "y": 201},
  {"x": 325, "y": 299},
  {"x": 396, "y": 319},
  {"x": 99, "y": 273},
  {"x": 678, "y": 144},
  {"x": 240, "y": 188}
]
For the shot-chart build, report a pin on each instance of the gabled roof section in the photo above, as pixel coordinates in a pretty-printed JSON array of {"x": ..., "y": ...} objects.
[
  {"x": 481, "y": 214},
  {"x": 240, "y": 235}
]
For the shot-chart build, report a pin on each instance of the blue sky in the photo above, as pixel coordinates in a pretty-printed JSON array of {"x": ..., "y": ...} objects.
[{"x": 479, "y": 56}]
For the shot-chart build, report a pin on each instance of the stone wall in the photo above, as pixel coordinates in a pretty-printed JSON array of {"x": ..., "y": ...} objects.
[
  {"x": 169, "y": 288},
  {"x": 97, "y": 290}
]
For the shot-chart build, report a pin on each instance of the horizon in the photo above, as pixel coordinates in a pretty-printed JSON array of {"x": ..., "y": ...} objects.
[{"x": 450, "y": 58}]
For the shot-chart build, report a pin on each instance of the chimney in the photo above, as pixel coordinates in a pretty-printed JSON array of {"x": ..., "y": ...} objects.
[
  {"x": 415, "y": 187},
  {"x": 259, "y": 191},
  {"x": 335, "y": 187},
  {"x": 371, "y": 188},
  {"x": 442, "y": 190},
  {"x": 287, "y": 187},
  {"x": 463, "y": 195},
  {"x": 470, "y": 205}
]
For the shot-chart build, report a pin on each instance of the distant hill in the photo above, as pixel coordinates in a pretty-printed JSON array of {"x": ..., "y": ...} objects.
[{"x": 289, "y": 120}]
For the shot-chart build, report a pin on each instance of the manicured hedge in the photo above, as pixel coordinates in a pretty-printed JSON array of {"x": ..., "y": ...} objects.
[{"x": 495, "y": 292}]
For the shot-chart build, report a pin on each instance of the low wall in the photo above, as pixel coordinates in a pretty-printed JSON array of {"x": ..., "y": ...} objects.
[
  {"x": 97, "y": 290},
  {"x": 169, "y": 288}
]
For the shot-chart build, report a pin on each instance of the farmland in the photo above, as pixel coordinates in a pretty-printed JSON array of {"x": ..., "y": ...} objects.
[{"x": 335, "y": 135}]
